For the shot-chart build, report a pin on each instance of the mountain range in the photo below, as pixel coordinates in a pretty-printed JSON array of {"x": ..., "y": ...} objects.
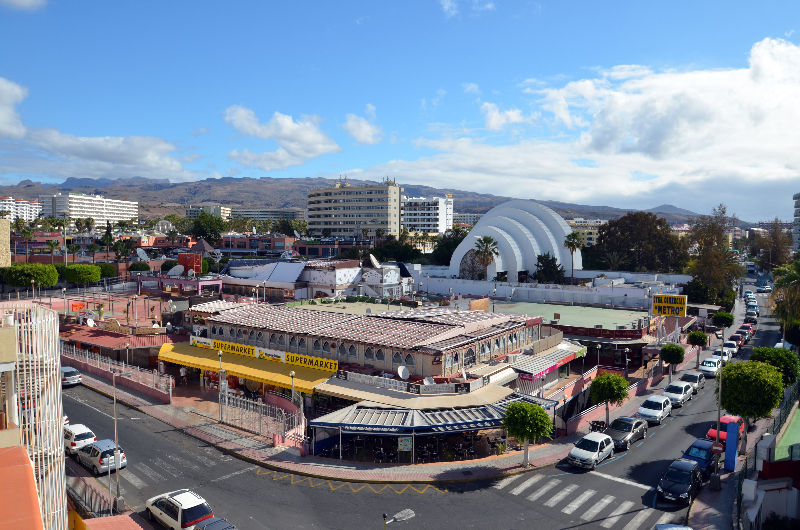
[{"x": 158, "y": 197}]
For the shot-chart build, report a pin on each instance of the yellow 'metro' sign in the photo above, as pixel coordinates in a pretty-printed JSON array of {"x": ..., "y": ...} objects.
[{"x": 669, "y": 305}]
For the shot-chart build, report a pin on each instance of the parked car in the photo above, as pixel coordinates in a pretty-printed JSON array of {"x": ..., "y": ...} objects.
[
  {"x": 214, "y": 523},
  {"x": 748, "y": 293},
  {"x": 178, "y": 509},
  {"x": 711, "y": 366},
  {"x": 723, "y": 428},
  {"x": 626, "y": 430},
  {"x": 764, "y": 289},
  {"x": 655, "y": 409},
  {"x": 722, "y": 355},
  {"x": 751, "y": 320},
  {"x": 750, "y": 327},
  {"x": 681, "y": 481},
  {"x": 70, "y": 376},
  {"x": 76, "y": 436},
  {"x": 696, "y": 379},
  {"x": 700, "y": 452},
  {"x": 678, "y": 392},
  {"x": 752, "y": 311},
  {"x": 591, "y": 450},
  {"x": 99, "y": 457},
  {"x": 738, "y": 339},
  {"x": 731, "y": 347},
  {"x": 745, "y": 333}
]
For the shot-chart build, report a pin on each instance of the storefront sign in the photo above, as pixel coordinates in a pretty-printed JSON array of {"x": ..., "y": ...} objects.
[
  {"x": 232, "y": 347},
  {"x": 669, "y": 305},
  {"x": 270, "y": 355},
  {"x": 404, "y": 443},
  {"x": 327, "y": 365},
  {"x": 200, "y": 342}
]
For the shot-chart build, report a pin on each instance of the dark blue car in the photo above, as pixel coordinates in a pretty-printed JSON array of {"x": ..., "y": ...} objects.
[{"x": 700, "y": 452}]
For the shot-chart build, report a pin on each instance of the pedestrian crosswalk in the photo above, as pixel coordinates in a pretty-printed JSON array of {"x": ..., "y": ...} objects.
[{"x": 587, "y": 505}]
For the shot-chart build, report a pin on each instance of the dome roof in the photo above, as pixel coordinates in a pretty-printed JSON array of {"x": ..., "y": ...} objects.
[{"x": 523, "y": 230}]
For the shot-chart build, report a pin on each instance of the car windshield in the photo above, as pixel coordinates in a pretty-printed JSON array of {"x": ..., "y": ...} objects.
[
  {"x": 729, "y": 344},
  {"x": 70, "y": 373},
  {"x": 652, "y": 405},
  {"x": 689, "y": 377},
  {"x": 674, "y": 389},
  {"x": 586, "y": 445},
  {"x": 698, "y": 452},
  {"x": 196, "y": 513},
  {"x": 83, "y": 436},
  {"x": 677, "y": 475},
  {"x": 622, "y": 425}
]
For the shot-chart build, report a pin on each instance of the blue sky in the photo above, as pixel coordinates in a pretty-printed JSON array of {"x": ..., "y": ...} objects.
[{"x": 627, "y": 104}]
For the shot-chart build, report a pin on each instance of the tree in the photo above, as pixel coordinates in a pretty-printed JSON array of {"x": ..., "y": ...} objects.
[
  {"x": 485, "y": 251},
  {"x": 446, "y": 245},
  {"x": 609, "y": 388},
  {"x": 139, "y": 266},
  {"x": 722, "y": 319},
  {"x": 699, "y": 339},
  {"x": 73, "y": 249},
  {"x": 108, "y": 238},
  {"x": 548, "y": 270},
  {"x": 4, "y": 213},
  {"x": 21, "y": 275},
  {"x": 643, "y": 240},
  {"x": 208, "y": 227},
  {"x": 79, "y": 226},
  {"x": 784, "y": 360},
  {"x": 672, "y": 354},
  {"x": 525, "y": 422},
  {"x": 107, "y": 270},
  {"x": 92, "y": 247},
  {"x": 713, "y": 263},
  {"x": 751, "y": 390},
  {"x": 52, "y": 244},
  {"x": 79, "y": 273},
  {"x": 572, "y": 242},
  {"x": 168, "y": 264},
  {"x": 88, "y": 224},
  {"x": 786, "y": 295},
  {"x": 122, "y": 249}
]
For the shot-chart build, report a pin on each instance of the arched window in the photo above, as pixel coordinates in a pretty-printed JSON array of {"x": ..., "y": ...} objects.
[
  {"x": 379, "y": 355},
  {"x": 232, "y": 333},
  {"x": 455, "y": 359},
  {"x": 260, "y": 338},
  {"x": 293, "y": 343},
  {"x": 496, "y": 344},
  {"x": 469, "y": 358},
  {"x": 326, "y": 347},
  {"x": 251, "y": 336},
  {"x": 409, "y": 360},
  {"x": 352, "y": 351},
  {"x": 368, "y": 355},
  {"x": 272, "y": 338},
  {"x": 301, "y": 344},
  {"x": 397, "y": 358},
  {"x": 239, "y": 334},
  {"x": 213, "y": 330},
  {"x": 281, "y": 340},
  {"x": 342, "y": 351},
  {"x": 317, "y": 347}
]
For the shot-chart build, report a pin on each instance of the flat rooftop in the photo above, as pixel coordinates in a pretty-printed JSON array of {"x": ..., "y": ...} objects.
[{"x": 570, "y": 315}]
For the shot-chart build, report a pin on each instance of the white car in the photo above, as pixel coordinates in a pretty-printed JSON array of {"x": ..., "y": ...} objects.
[
  {"x": 77, "y": 436},
  {"x": 721, "y": 355},
  {"x": 678, "y": 392},
  {"x": 179, "y": 509},
  {"x": 710, "y": 366},
  {"x": 591, "y": 450},
  {"x": 655, "y": 409},
  {"x": 731, "y": 348}
]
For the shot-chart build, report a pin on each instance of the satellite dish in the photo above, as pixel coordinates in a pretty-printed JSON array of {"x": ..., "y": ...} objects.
[
  {"x": 90, "y": 322},
  {"x": 190, "y": 273},
  {"x": 177, "y": 270},
  {"x": 403, "y": 372},
  {"x": 429, "y": 381},
  {"x": 374, "y": 261},
  {"x": 142, "y": 254},
  {"x": 155, "y": 325},
  {"x": 296, "y": 234}
]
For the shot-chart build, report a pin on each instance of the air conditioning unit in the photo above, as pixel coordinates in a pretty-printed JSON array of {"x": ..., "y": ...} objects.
[
  {"x": 554, "y": 322},
  {"x": 598, "y": 326}
]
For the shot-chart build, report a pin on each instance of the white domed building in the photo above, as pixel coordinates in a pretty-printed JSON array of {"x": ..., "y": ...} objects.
[{"x": 523, "y": 230}]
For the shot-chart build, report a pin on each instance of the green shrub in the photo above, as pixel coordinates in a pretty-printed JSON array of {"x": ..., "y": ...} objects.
[
  {"x": 21, "y": 274},
  {"x": 167, "y": 265},
  {"x": 206, "y": 266},
  {"x": 107, "y": 270},
  {"x": 60, "y": 267},
  {"x": 139, "y": 266},
  {"x": 350, "y": 298},
  {"x": 82, "y": 273}
]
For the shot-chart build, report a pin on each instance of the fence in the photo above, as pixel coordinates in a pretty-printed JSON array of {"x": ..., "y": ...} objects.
[
  {"x": 258, "y": 417},
  {"x": 140, "y": 376}
]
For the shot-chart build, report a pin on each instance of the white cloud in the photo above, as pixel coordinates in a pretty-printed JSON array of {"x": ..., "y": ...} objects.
[
  {"x": 28, "y": 5},
  {"x": 497, "y": 119},
  {"x": 483, "y": 6},
  {"x": 450, "y": 7},
  {"x": 11, "y": 94},
  {"x": 471, "y": 88},
  {"x": 362, "y": 129},
  {"x": 297, "y": 140},
  {"x": 434, "y": 101}
]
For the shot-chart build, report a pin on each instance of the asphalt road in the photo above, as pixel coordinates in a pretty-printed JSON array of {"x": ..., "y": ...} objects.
[{"x": 619, "y": 494}]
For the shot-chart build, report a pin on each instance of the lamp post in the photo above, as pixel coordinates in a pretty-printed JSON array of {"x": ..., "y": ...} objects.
[
  {"x": 626, "y": 351},
  {"x": 219, "y": 384},
  {"x": 291, "y": 374},
  {"x": 127, "y": 351},
  {"x": 64, "y": 294},
  {"x": 33, "y": 290},
  {"x": 118, "y": 501},
  {"x": 494, "y": 294},
  {"x": 253, "y": 292},
  {"x": 598, "y": 346}
]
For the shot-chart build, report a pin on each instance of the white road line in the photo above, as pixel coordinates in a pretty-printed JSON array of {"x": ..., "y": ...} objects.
[
  {"x": 525, "y": 485},
  {"x": 558, "y": 497},
  {"x": 82, "y": 402},
  {"x": 505, "y": 482},
  {"x": 165, "y": 466},
  {"x": 183, "y": 462},
  {"x": 135, "y": 481},
  {"x": 580, "y": 499},
  {"x": 641, "y": 517},
  {"x": 230, "y": 475},
  {"x": 152, "y": 475},
  {"x": 590, "y": 514},
  {"x": 622, "y": 480},
  {"x": 666, "y": 518},
  {"x": 544, "y": 489},
  {"x": 615, "y": 516}
]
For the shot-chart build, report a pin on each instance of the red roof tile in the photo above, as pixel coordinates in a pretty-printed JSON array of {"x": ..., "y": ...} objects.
[{"x": 115, "y": 341}]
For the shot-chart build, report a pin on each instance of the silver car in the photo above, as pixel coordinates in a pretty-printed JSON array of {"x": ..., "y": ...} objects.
[
  {"x": 678, "y": 393},
  {"x": 591, "y": 450},
  {"x": 99, "y": 457},
  {"x": 655, "y": 409},
  {"x": 696, "y": 379},
  {"x": 70, "y": 376}
]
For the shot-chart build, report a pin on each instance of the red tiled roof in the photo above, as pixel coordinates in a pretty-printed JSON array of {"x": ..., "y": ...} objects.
[
  {"x": 115, "y": 341},
  {"x": 19, "y": 502}
]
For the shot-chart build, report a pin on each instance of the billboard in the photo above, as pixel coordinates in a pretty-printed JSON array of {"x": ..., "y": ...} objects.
[{"x": 669, "y": 305}]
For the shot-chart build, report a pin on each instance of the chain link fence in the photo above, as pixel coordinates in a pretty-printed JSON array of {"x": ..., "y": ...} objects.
[{"x": 256, "y": 416}]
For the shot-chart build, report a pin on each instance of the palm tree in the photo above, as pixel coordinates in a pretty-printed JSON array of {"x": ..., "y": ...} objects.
[
  {"x": 786, "y": 295},
  {"x": 92, "y": 247},
  {"x": 52, "y": 244},
  {"x": 122, "y": 225},
  {"x": 614, "y": 260},
  {"x": 485, "y": 251},
  {"x": 79, "y": 225},
  {"x": 172, "y": 236},
  {"x": 27, "y": 235},
  {"x": 572, "y": 242},
  {"x": 4, "y": 213},
  {"x": 73, "y": 249}
]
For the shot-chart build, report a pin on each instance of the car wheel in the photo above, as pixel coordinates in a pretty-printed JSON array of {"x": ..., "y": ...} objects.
[
  {"x": 644, "y": 434},
  {"x": 627, "y": 445},
  {"x": 149, "y": 515},
  {"x": 96, "y": 471},
  {"x": 594, "y": 464}
]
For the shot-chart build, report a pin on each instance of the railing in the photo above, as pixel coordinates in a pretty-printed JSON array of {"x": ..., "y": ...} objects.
[{"x": 256, "y": 416}]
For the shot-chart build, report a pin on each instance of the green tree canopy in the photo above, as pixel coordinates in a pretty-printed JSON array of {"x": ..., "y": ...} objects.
[
  {"x": 786, "y": 295},
  {"x": 644, "y": 240},
  {"x": 527, "y": 422},
  {"x": 609, "y": 388},
  {"x": 207, "y": 226},
  {"x": 722, "y": 319},
  {"x": 21, "y": 274},
  {"x": 139, "y": 266},
  {"x": 548, "y": 270},
  {"x": 168, "y": 264},
  {"x": 751, "y": 389},
  {"x": 713, "y": 264},
  {"x": 78, "y": 273},
  {"x": 446, "y": 245},
  {"x": 698, "y": 338},
  {"x": 784, "y": 360},
  {"x": 107, "y": 270},
  {"x": 573, "y": 242}
]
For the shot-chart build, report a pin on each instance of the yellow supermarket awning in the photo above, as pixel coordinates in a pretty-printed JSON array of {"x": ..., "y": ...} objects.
[{"x": 262, "y": 370}]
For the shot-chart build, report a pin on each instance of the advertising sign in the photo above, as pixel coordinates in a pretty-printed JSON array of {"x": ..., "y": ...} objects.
[
  {"x": 327, "y": 365},
  {"x": 77, "y": 306},
  {"x": 230, "y": 347},
  {"x": 669, "y": 305},
  {"x": 404, "y": 443}
]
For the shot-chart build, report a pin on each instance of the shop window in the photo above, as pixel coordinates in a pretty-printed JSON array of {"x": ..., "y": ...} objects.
[
  {"x": 272, "y": 339},
  {"x": 292, "y": 344},
  {"x": 326, "y": 347},
  {"x": 317, "y": 346},
  {"x": 232, "y": 333},
  {"x": 301, "y": 344},
  {"x": 260, "y": 338},
  {"x": 342, "y": 351},
  {"x": 368, "y": 355},
  {"x": 397, "y": 358},
  {"x": 251, "y": 336},
  {"x": 239, "y": 334},
  {"x": 281, "y": 340},
  {"x": 213, "y": 330}
]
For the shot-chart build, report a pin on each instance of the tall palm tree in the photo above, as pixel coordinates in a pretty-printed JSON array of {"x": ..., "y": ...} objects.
[
  {"x": 485, "y": 251},
  {"x": 79, "y": 225},
  {"x": 73, "y": 249},
  {"x": 92, "y": 247},
  {"x": 572, "y": 242},
  {"x": 614, "y": 260},
  {"x": 52, "y": 244},
  {"x": 27, "y": 235},
  {"x": 786, "y": 295}
]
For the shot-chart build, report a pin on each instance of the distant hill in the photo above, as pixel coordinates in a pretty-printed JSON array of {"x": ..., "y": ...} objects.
[{"x": 158, "y": 197}]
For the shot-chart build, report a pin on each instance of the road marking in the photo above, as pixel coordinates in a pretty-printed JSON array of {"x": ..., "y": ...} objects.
[
  {"x": 558, "y": 497},
  {"x": 82, "y": 402},
  {"x": 666, "y": 518},
  {"x": 580, "y": 499},
  {"x": 505, "y": 482},
  {"x": 640, "y": 444},
  {"x": 612, "y": 519},
  {"x": 525, "y": 485},
  {"x": 640, "y": 518},
  {"x": 622, "y": 480},
  {"x": 135, "y": 481},
  {"x": 152, "y": 475},
  {"x": 589, "y": 514},
  {"x": 182, "y": 462},
  {"x": 608, "y": 461},
  {"x": 229, "y": 475},
  {"x": 544, "y": 489},
  {"x": 163, "y": 465}
]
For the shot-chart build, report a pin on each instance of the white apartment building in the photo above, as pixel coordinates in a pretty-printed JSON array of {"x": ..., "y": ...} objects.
[
  {"x": 466, "y": 218},
  {"x": 19, "y": 209},
  {"x": 223, "y": 212},
  {"x": 79, "y": 205},
  {"x": 431, "y": 215},
  {"x": 267, "y": 214},
  {"x": 344, "y": 210}
]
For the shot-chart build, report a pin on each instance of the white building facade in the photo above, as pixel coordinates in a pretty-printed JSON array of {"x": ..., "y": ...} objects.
[
  {"x": 267, "y": 214},
  {"x": 19, "y": 209},
  {"x": 223, "y": 212},
  {"x": 796, "y": 224},
  {"x": 345, "y": 211},
  {"x": 79, "y": 205},
  {"x": 430, "y": 215},
  {"x": 466, "y": 218}
]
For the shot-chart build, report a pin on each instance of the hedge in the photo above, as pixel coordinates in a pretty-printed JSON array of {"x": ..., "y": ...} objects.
[
  {"x": 139, "y": 266},
  {"x": 107, "y": 270},
  {"x": 21, "y": 274},
  {"x": 82, "y": 273},
  {"x": 167, "y": 265}
]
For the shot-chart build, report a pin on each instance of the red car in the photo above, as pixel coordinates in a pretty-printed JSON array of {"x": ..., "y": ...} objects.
[
  {"x": 738, "y": 339},
  {"x": 750, "y": 327},
  {"x": 723, "y": 428}
]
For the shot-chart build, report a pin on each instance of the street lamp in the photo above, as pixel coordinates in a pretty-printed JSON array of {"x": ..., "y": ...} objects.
[
  {"x": 33, "y": 291},
  {"x": 598, "y": 346},
  {"x": 118, "y": 502},
  {"x": 64, "y": 294},
  {"x": 219, "y": 384},
  {"x": 626, "y": 351},
  {"x": 291, "y": 374},
  {"x": 127, "y": 348},
  {"x": 494, "y": 294},
  {"x": 253, "y": 292}
]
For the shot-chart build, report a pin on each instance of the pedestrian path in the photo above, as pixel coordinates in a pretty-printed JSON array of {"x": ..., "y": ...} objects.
[{"x": 585, "y": 506}]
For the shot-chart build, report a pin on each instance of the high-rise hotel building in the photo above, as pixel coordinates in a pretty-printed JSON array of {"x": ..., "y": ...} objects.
[
  {"x": 79, "y": 205},
  {"x": 19, "y": 209},
  {"x": 344, "y": 210},
  {"x": 429, "y": 215}
]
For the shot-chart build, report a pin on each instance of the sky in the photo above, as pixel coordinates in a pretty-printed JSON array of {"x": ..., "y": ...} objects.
[{"x": 617, "y": 103}]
